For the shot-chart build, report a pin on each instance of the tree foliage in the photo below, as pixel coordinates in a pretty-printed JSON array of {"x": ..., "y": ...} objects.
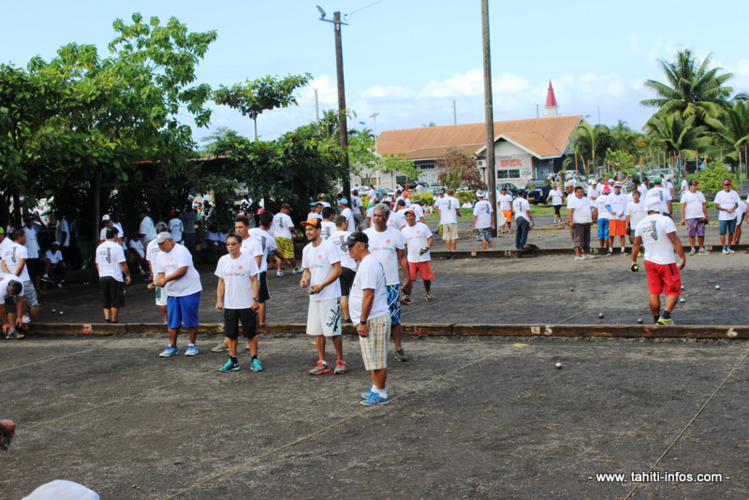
[{"x": 456, "y": 169}]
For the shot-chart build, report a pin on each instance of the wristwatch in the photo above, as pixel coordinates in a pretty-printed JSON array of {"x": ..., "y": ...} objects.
[
  {"x": 363, "y": 323},
  {"x": 256, "y": 298}
]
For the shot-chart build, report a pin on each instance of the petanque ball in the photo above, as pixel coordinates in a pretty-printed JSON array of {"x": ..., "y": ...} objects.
[{"x": 558, "y": 365}]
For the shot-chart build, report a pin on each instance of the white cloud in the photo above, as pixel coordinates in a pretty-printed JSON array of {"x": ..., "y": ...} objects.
[{"x": 327, "y": 91}]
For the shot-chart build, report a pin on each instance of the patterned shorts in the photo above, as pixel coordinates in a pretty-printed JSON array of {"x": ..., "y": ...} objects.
[
  {"x": 286, "y": 246},
  {"x": 374, "y": 347},
  {"x": 394, "y": 303},
  {"x": 484, "y": 234}
]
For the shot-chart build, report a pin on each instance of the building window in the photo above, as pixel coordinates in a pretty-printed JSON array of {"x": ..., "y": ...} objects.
[
  {"x": 508, "y": 174},
  {"x": 428, "y": 166}
]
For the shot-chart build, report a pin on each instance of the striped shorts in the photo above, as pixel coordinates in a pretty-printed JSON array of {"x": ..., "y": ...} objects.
[
  {"x": 374, "y": 347},
  {"x": 394, "y": 303}
]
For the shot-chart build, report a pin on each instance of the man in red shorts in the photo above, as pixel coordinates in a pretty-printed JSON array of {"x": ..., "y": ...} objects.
[
  {"x": 418, "y": 239},
  {"x": 658, "y": 233}
]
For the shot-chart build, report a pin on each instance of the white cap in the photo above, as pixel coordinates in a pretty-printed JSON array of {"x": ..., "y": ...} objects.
[{"x": 653, "y": 204}]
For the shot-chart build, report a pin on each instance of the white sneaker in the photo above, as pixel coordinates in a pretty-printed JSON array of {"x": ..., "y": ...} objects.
[
  {"x": 725, "y": 251},
  {"x": 279, "y": 273},
  {"x": 624, "y": 250},
  {"x": 590, "y": 256},
  {"x": 692, "y": 251},
  {"x": 579, "y": 257},
  {"x": 297, "y": 270},
  {"x": 730, "y": 250}
]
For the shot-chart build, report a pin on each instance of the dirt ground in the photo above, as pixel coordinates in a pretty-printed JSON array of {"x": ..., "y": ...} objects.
[{"x": 469, "y": 418}]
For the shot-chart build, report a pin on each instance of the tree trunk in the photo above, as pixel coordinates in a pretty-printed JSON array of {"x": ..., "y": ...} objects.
[
  {"x": 97, "y": 208},
  {"x": 17, "y": 223}
]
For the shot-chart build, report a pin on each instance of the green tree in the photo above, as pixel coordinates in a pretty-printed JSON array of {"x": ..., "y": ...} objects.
[
  {"x": 591, "y": 143},
  {"x": 731, "y": 131},
  {"x": 456, "y": 169},
  {"x": 674, "y": 133},
  {"x": 255, "y": 96},
  {"x": 711, "y": 178}
]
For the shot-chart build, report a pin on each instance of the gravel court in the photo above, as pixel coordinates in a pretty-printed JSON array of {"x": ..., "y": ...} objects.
[{"x": 471, "y": 417}]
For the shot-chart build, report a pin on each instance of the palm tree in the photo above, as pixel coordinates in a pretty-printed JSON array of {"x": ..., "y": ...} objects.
[
  {"x": 591, "y": 142},
  {"x": 691, "y": 89},
  {"x": 673, "y": 133},
  {"x": 732, "y": 129}
]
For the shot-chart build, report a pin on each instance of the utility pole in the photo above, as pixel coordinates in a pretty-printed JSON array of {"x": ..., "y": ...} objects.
[
  {"x": 342, "y": 105},
  {"x": 491, "y": 168}
]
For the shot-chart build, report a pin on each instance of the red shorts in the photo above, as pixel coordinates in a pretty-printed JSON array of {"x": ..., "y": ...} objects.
[
  {"x": 617, "y": 228},
  {"x": 423, "y": 268},
  {"x": 663, "y": 276}
]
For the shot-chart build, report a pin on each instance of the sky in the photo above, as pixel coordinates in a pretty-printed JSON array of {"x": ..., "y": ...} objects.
[{"x": 408, "y": 60}]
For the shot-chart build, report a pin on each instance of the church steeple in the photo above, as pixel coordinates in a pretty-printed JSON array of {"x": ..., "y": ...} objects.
[{"x": 551, "y": 102}]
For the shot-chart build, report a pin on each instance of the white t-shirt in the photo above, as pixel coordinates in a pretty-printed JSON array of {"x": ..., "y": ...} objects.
[
  {"x": 727, "y": 200},
  {"x": 636, "y": 212},
  {"x": 177, "y": 258},
  {"x": 740, "y": 210},
  {"x": 448, "y": 207},
  {"x": 601, "y": 211},
  {"x": 416, "y": 237},
  {"x": 152, "y": 256},
  {"x": 237, "y": 275},
  {"x": 103, "y": 233},
  {"x": 282, "y": 224},
  {"x": 556, "y": 196},
  {"x": 176, "y": 227},
  {"x": 582, "y": 210},
  {"x": 661, "y": 193},
  {"x": 643, "y": 189},
  {"x": 109, "y": 256},
  {"x": 267, "y": 244},
  {"x": 397, "y": 219},
  {"x": 314, "y": 215},
  {"x": 418, "y": 211},
  {"x": 483, "y": 212},
  {"x": 521, "y": 207},
  {"x": 138, "y": 247},
  {"x": 147, "y": 228},
  {"x": 327, "y": 228},
  {"x": 654, "y": 230},
  {"x": 346, "y": 212},
  {"x": 618, "y": 204},
  {"x": 356, "y": 205},
  {"x": 63, "y": 227},
  {"x": 369, "y": 276},
  {"x": 252, "y": 247},
  {"x": 11, "y": 255},
  {"x": 338, "y": 240},
  {"x": 319, "y": 260},
  {"x": 384, "y": 246},
  {"x": 691, "y": 205},
  {"x": 504, "y": 201},
  {"x": 684, "y": 186},
  {"x": 593, "y": 193},
  {"x": 5, "y": 280},
  {"x": 32, "y": 244},
  {"x": 54, "y": 257},
  {"x": 467, "y": 205}
]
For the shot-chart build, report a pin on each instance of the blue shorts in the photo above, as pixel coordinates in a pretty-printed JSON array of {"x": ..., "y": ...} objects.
[
  {"x": 183, "y": 311},
  {"x": 727, "y": 226},
  {"x": 603, "y": 229},
  {"x": 394, "y": 303}
]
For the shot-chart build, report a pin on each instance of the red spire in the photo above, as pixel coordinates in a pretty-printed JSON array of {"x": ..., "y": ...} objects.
[{"x": 551, "y": 101}]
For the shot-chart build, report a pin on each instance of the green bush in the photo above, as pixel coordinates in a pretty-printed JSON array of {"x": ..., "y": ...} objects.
[
  {"x": 712, "y": 177},
  {"x": 427, "y": 198},
  {"x": 464, "y": 196}
]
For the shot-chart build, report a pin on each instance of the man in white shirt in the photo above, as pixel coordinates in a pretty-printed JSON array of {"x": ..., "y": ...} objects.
[
  {"x": 557, "y": 198},
  {"x": 237, "y": 297},
  {"x": 14, "y": 262},
  {"x": 726, "y": 202},
  {"x": 348, "y": 265},
  {"x": 418, "y": 240},
  {"x": 178, "y": 276},
  {"x": 663, "y": 194},
  {"x": 283, "y": 233},
  {"x": 62, "y": 234},
  {"x": 112, "y": 266},
  {"x": 448, "y": 208},
  {"x": 358, "y": 208},
  {"x": 368, "y": 306},
  {"x": 684, "y": 185},
  {"x": 152, "y": 255},
  {"x": 33, "y": 263},
  {"x": 483, "y": 221},
  {"x": 347, "y": 212},
  {"x": 176, "y": 227},
  {"x": 147, "y": 229},
  {"x": 106, "y": 223},
  {"x": 579, "y": 219},
  {"x": 618, "y": 222},
  {"x": 643, "y": 188},
  {"x": 521, "y": 209},
  {"x": 322, "y": 267},
  {"x": 603, "y": 216},
  {"x": 504, "y": 205},
  {"x": 268, "y": 246},
  {"x": 593, "y": 191},
  {"x": 54, "y": 264},
  {"x": 386, "y": 244},
  {"x": 694, "y": 214},
  {"x": 658, "y": 234},
  {"x": 11, "y": 304},
  {"x": 634, "y": 212},
  {"x": 398, "y": 221}
]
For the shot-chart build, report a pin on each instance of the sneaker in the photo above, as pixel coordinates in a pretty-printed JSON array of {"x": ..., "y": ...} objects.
[
  {"x": 368, "y": 393},
  {"x": 221, "y": 347},
  {"x": 169, "y": 351},
  {"x": 47, "y": 279},
  {"x": 320, "y": 368},
  {"x": 609, "y": 253},
  {"x": 400, "y": 355},
  {"x": 624, "y": 250},
  {"x": 725, "y": 251},
  {"x": 256, "y": 365},
  {"x": 340, "y": 367},
  {"x": 590, "y": 256},
  {"x": 375, "y": 399},
  {"x": 26, "y": 319},
  {"x": 406, "y": 300},
  {"x": 191, "y": 350},
  {"x": 279, "y": 273},
  {"x": 692, "y": 251},
  {"x": 229, "y": 367},
  {"x": 428, "y": 297},
  {"x": 731, "y": 250},
  {"x": 665, "y": 322},
  {"x": 297, "y": 270},
  {"x": 702, "y": 251},
  {"x": 14, "y": 335},
  {"x": 579, "y": 257}
]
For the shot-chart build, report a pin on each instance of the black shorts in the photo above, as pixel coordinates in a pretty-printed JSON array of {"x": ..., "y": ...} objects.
[
  {"x": 347, "y": 280},
  {"x": 263, "y": 282},
  {"x": 557, "y": 208},
  {"x": 34, "y": 266},
  {"x": 11, "y": 306},
  {"x": 112, "y": 292},
  {"x": 232, "y": 317}
]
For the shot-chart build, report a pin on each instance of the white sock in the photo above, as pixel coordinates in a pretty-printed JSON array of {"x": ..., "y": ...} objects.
[{"x": 381, "y": 392}]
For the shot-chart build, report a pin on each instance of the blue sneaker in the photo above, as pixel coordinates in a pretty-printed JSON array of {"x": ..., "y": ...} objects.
[
  {"x": 375, "y": 399},
  {"x": 191, "y": 350},
  {"x": 256, "y": 365},
  {"x": 368, "y": 393},
  {"x": 230, "y": 367},
  {"x": 169, "y": 351}
]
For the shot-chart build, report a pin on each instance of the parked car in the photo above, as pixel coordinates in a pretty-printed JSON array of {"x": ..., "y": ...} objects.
[
  {"x": 538, "y": 191},
  {"x": 511, "y": 188}
]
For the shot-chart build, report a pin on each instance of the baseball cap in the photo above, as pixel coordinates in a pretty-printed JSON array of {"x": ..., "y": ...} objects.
[
  {"x": 260, "y": 210},
  {"x": 314, "y": 203},
  {"x": 606, "y": 189},
  {"x": 569, "y": 184},
  {"x": 481, "y": 194},
  {"x": 343, "y": 201},
  {"x": 356, "y": 237},
  {"x": 105, "y": 218},
  {"x": 286, "y": 206},
  {"x": 2, "y": 230},
  {"x": 314, "y": 222},
  {"x": 411, "y": 211},
  {"x": 657, "y": 180},
  {"x": 56, "y": 243},
  {"x": 592, "y": 181},
  {"x": 355, "y": 191},
  {"x": 162, "y": 237},
  {"x": 694, "y": 183},
  {"x": 653, "y": 204},
  {"x": 617, "y": 184},
  {"x": 172, "y": 212},
  {"x": 727, "y": 182}
]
